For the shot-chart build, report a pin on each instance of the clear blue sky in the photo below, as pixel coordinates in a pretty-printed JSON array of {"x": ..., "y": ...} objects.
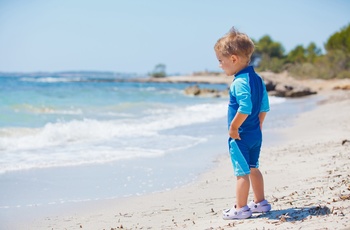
[{"x": 135, "y": 35}]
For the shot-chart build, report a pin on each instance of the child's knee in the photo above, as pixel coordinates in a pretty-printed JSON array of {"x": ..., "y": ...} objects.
[
  {"x": 243, "y": 177},
  {"x": 254, "y": 171}
]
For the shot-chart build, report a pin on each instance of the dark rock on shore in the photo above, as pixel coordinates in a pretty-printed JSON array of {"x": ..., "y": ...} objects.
[
  {"x": 276, "y": 86},
  {"x": 196, "y": 91},
  {"x": 280, "y": 89},
  {"x": 344, "y": 87},
  {"x": 283, "y": 86}
]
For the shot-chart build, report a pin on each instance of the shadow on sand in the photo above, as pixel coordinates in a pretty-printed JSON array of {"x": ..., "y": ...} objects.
[{"x": 295, "y": 214}]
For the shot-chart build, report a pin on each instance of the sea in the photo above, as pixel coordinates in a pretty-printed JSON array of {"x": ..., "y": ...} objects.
[{"x": 79, "y": 136}]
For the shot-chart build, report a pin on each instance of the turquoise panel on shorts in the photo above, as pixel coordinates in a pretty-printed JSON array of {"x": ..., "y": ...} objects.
[{"x": 239, "y": 163}]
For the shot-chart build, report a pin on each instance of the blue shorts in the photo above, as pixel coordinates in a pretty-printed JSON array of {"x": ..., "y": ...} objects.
[{"x": 244, "y": 154}]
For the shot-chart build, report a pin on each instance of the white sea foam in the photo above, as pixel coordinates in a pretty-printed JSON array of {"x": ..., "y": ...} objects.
[
  {"x": 95, "y": 141},
  {"x": 46, "y": 110},
  {"x": 86, "y": 141},
  {"x": 51, "y": 79},
  {"x": 276, "y": 100}
]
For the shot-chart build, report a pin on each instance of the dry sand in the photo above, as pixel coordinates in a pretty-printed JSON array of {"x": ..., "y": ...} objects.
[{"x": 307, "y": 180}]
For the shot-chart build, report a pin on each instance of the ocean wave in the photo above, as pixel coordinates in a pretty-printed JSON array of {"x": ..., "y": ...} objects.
[
  {"x": 51, "y": 79},
  {"x": 97, "y": 153},
  {"x": 46, "y": 109},
  {"x": 62, "y": 132},
  {"x": 89, "y": 130},
  {"x": 276, "y": 100},
  {"x": 85, "y": 141}
]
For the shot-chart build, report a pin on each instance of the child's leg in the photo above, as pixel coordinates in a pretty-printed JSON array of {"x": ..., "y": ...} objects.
[
  {"x": 240, "y": 156},
  {"x": 257, "y": 184},
  {"x": 242, "y": 191}
]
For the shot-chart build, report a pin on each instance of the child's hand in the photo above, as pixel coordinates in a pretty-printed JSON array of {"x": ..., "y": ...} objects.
[{"x": 234, "y": 134}]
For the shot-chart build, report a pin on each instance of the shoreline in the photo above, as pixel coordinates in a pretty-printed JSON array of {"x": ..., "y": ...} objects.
[
  {"x": 306, "y": 179},
  {"x": 220, "y": 79},
  {"x": 277, "y": 84},
  {"x": 313, "y": 83}
]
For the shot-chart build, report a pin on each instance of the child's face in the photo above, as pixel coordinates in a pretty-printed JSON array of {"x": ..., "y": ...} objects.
[{"x": 227, "y": 64}]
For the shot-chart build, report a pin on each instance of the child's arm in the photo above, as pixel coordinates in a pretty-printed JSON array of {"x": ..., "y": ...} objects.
[
  {"x": 235, "y": 124},
  {"x": 262, "y": 116},
  {"x": 241, "y": 91},
  {"x": 265, "y": 106}
]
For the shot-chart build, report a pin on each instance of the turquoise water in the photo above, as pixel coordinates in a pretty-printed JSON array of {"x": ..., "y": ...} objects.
[
  {"x": 60, "y": 121},
  {"x": 76, "y": 137}
]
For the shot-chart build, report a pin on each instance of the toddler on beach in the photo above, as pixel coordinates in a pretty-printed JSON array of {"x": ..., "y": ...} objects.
[{"x": 246, "y": 113}]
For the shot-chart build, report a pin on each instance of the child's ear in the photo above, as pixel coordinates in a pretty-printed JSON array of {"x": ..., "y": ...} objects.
[{"x": 234, "y": 58}]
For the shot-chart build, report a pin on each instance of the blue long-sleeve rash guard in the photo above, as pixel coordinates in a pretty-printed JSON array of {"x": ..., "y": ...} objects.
[{"x": 248, "y": 96}]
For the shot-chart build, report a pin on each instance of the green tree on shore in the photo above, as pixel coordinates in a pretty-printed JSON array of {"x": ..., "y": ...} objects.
[
  {"x": 307, "y": 62},
  {"x": 297, "y": 55},
  {"x": 312, "y": 52},
  {"x": 339, "y": 41},
  {"x": 159, "y": 71},
  {"x": 338, "y": 53},
  {"x": 270, "y": 54}
]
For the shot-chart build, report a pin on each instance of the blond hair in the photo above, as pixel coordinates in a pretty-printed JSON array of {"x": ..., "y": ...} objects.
[{"x": 235, "y": 43}]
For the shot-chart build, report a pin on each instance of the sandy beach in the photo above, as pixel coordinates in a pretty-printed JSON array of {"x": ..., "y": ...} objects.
[{"x": 307, "y": 180}]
